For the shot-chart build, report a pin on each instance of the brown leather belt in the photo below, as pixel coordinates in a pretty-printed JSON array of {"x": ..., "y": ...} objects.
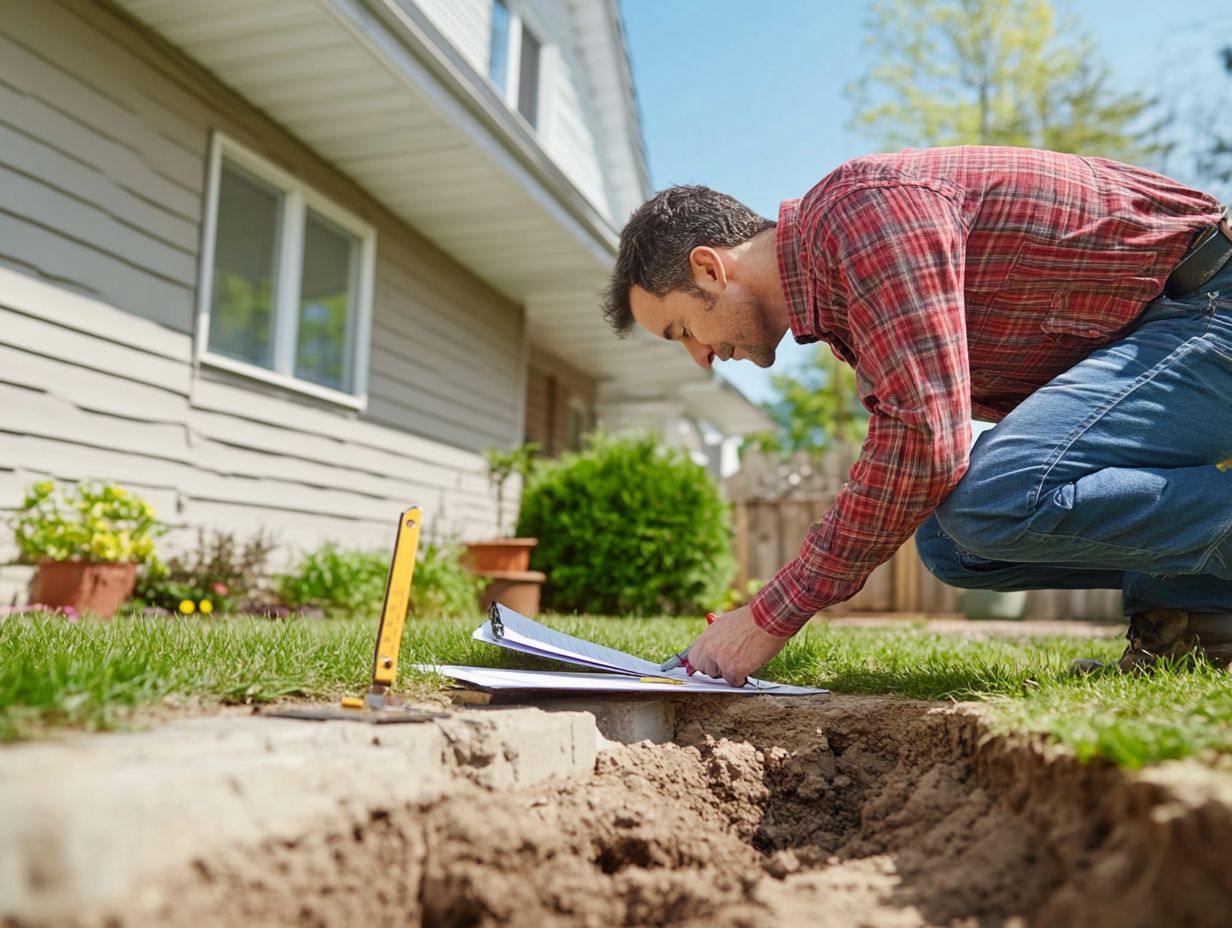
[{"x": 1210, "y": 252}]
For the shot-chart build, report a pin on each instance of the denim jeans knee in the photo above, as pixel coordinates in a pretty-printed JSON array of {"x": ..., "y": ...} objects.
[
  {"x": 978, "y": 528},
  {"x": 942, "y": 557}
]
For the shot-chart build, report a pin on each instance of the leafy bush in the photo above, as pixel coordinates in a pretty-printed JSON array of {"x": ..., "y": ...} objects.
[
  {"x": 331, "y": 577},
  {"x": 353, "y": 581},
  {"x": 221, "y": 574},
  {"x": 86, "y": 522},
  {"x": 442, "y": 585},
  {"x": 628, "y": 526}
]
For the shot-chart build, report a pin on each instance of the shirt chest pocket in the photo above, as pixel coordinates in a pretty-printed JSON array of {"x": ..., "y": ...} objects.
[{"x": 1079, "y": 292}]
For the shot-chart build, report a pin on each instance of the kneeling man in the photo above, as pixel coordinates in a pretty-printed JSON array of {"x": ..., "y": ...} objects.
[{"x": 1083, "y": 305}]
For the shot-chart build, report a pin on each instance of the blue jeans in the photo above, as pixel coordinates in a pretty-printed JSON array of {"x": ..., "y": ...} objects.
[{"x": 1106, "y": 477}]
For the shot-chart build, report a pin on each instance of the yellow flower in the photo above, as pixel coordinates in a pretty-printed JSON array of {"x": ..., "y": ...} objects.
[
  {"x": 206, "y": 607},
  {"x": 187, "y": 607}
]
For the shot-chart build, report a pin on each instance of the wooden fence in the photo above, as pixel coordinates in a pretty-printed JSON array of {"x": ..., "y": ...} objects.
[{"x": 774, "y": 502}]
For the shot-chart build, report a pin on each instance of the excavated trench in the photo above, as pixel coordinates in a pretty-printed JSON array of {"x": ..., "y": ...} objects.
[{"x": 837, "y": 811}]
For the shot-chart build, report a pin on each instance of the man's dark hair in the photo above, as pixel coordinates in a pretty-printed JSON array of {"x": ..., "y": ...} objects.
[{"x": 658, "y": 238}]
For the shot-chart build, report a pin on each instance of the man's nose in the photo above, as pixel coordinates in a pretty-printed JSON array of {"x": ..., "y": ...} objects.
[{"x": 699, "y": 352}]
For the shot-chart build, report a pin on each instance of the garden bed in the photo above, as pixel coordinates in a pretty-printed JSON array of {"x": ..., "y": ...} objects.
[{"x": 835, "y": 810}]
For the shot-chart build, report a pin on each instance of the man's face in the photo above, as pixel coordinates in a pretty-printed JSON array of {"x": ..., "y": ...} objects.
[{"x": 727, "y": 325}]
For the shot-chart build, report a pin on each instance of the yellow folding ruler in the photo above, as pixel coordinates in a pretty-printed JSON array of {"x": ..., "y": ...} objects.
[{"x": 379, "y": 704}]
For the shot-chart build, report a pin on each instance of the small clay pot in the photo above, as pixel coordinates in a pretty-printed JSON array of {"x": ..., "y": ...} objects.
[
  {"x": 99, "y": 587},
  {"x": 515, "y": 589},
  {"x": 502, "y": 554}
]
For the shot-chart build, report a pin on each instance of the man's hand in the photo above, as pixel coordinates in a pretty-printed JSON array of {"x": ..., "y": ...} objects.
[{"x": 734, "y": 647}]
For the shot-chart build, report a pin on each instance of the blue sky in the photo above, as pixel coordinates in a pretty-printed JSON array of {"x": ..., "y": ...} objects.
[{"x": 748, "y": 97}]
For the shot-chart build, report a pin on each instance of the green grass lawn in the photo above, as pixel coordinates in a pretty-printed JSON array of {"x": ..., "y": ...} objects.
[{"x": 99, "y": 675}]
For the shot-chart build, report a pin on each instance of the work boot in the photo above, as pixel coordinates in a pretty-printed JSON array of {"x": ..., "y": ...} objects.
[{"x": 1171, "y": 634}]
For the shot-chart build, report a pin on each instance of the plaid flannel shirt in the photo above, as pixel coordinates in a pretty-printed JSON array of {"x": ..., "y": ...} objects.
[{"x": 956, "y": 282}]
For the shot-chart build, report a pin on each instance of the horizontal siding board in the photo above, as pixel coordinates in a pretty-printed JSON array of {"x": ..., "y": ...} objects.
[
  {"x": 348, "y": 463},
  {"x": 234, "y": 400},
  {"x": 86, "y": 183},
  {"x": 402, "y": 356},
  {"x": 39, "y": 337},
  {"x": 78, "y": 220},
  {"x": 97, "y": 274},
  {"x": 435, "y": 398},
  {"x": 85, "y": 461},
  {"x": 49, "y": 303},
  {"x": 227, "y": 477},
  {"x": 408, "y": 417},
  {"x": 479, "y": 344},
  {"x": 90, "y": 389},
  {"x": 75, "y": 82},
  {"x": 122, "y": 164},
  {"x": 33, "y": 412},
  {"x": 467, "y": 24}
]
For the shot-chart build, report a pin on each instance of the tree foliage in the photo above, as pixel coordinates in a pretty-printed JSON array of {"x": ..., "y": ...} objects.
[
  {"x": 996, "y": 72},
  {"x": 818, "y": 406}
]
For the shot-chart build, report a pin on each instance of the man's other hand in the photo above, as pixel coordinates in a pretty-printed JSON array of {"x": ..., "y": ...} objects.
[{"x": 734, "y": 647}]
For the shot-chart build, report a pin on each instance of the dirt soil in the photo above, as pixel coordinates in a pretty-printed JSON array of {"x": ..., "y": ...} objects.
[{"x": 838, "y": 811}]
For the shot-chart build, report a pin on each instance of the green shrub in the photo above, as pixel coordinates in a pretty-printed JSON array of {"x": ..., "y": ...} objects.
[
  {"x": 85, "y": 522},
  {"x": 353, "y": 581},
  {"x": 628, "y": 527},
  {"x": 442, "y": 586},
  {"x": 334, "y": 578},
  {"x": 220, "y": 574}
]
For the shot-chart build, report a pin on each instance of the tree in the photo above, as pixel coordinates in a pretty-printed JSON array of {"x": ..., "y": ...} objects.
[
  {"x": 996, "y": 72},
  {"x": 817, "y": 408}
]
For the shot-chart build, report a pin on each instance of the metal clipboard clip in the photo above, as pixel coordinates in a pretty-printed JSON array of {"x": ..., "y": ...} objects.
[{"x": 498, "y": 627}]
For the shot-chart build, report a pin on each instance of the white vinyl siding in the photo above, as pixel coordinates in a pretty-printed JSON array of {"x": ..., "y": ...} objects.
[
  {"x": 104, "y": 165},
  {"x": 271, "y": 289}
]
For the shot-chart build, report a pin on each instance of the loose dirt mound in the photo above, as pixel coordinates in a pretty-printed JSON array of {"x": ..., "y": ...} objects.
[{"x": 838, "y": 811}]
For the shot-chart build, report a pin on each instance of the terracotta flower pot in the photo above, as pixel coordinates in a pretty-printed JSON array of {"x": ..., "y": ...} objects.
[
  {"x": 515, "y": 589},
  {"x": 87, "y": 586},
  {"x": 502, "y": 554}
]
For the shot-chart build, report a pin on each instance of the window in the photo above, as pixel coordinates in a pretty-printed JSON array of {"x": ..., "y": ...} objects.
[
  {"x": 287, "y": 280},
  {"x": 528, "y": 78},
  {"x": 498, "y": 58},
  {"x": 577, "y": 426},
  {"x": 515, "y": 61}
]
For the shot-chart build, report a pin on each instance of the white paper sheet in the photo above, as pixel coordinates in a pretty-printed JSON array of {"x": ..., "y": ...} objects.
[
  {"x": 530, "y": 637},
  {"x": 491, "y": 678}
]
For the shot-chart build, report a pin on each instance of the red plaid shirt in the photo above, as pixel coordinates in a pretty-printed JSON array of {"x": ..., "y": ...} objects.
[{"x": 956, "y": 281}]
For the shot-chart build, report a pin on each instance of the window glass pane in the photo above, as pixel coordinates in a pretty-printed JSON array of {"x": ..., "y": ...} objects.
[
  {"x": 245, "y": 268},
  {"x": 498, "y": 54},
  {"x": 328, "y": 305},
  {"x": 528, "y": 78}
]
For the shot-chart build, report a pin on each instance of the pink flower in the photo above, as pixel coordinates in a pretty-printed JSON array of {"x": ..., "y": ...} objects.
[{"x": 220, "y": 589}]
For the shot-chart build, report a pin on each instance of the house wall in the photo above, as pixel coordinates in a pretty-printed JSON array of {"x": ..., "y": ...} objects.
[
  {"x": 104, "y": 134},
  {"x": 567, "y": 124},
  {"x": 553, "y": 386}
]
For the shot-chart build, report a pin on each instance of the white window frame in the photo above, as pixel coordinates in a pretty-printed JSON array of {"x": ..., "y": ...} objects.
[
  {"x": 513, "y": 68},
  {"x": 297, "y": 198}
]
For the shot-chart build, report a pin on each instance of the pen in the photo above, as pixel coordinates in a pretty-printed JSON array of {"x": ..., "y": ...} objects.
[
  {"x": 682, "y": 659},
  {"x": 662, "y": 680}
]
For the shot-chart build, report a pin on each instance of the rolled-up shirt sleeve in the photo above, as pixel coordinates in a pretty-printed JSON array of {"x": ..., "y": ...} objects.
[{"x": 896, "y": 252}]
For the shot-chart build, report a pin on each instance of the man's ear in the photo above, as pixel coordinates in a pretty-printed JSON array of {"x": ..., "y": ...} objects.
[{"x": 709, "y": 272}]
